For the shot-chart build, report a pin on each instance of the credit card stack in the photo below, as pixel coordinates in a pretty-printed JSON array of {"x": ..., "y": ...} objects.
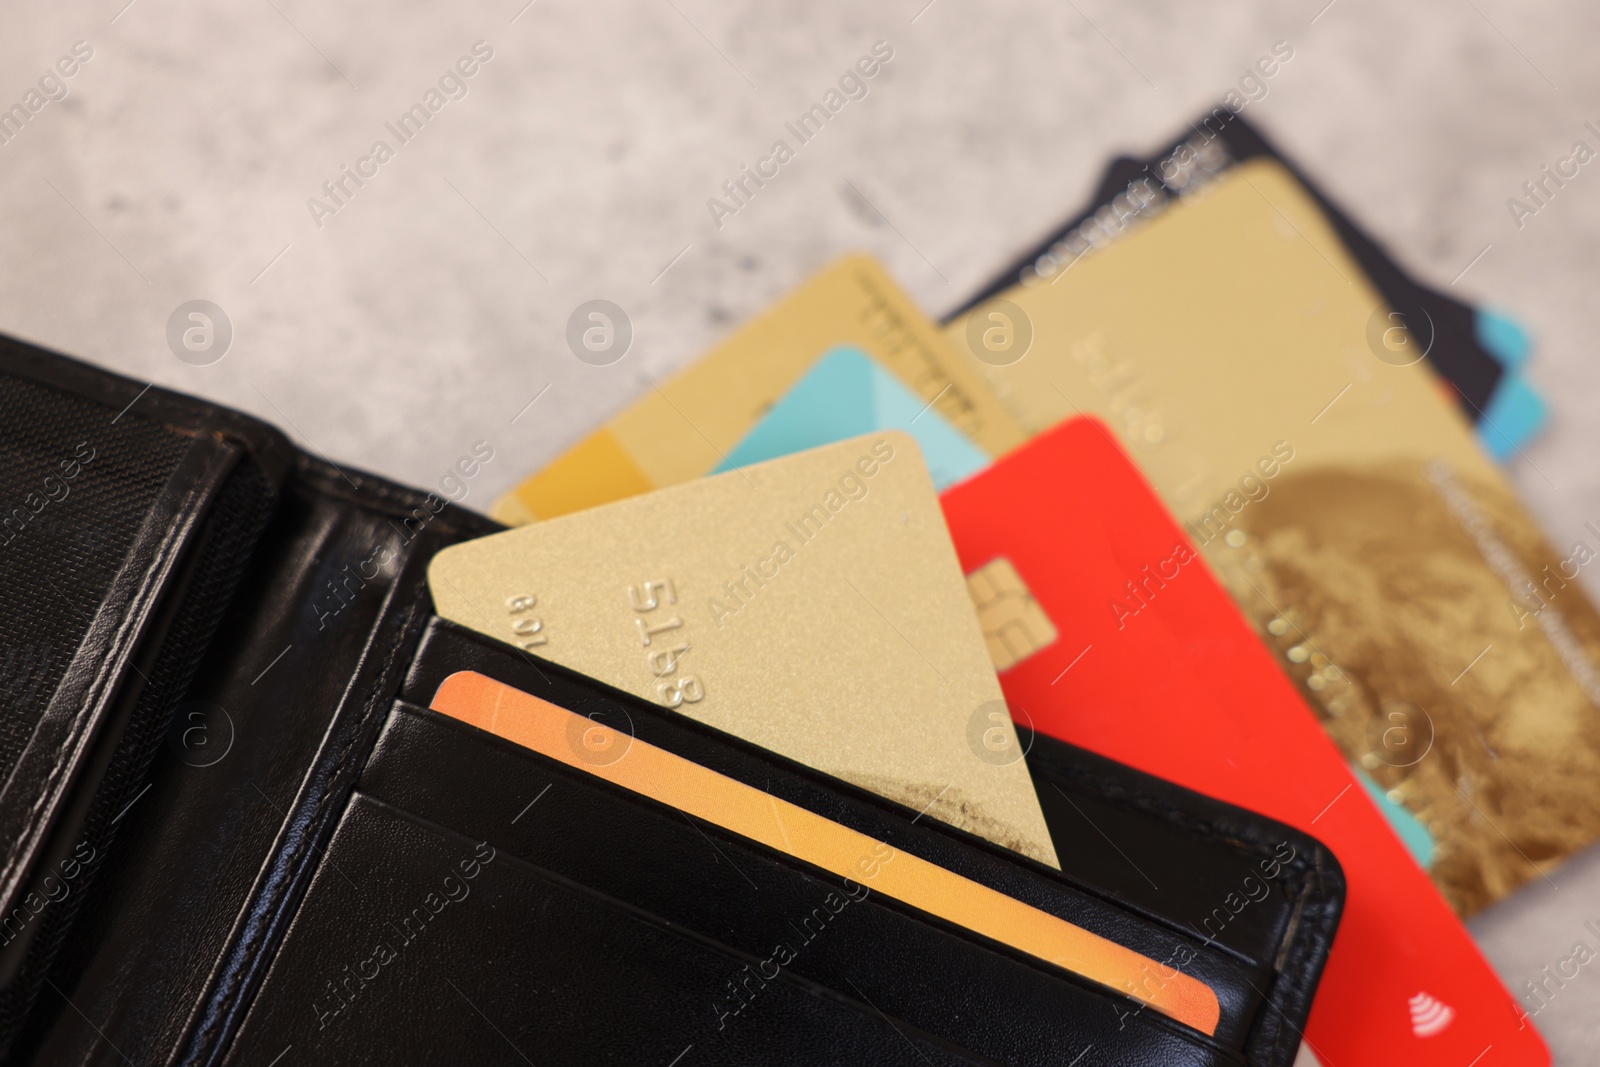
[{"x": 1149, "y": 664}]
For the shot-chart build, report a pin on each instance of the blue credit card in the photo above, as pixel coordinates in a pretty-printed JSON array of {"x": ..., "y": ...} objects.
[
  {"x": 1516, "y": 411},
  {"x": 845, "y": 394},
  {"x": 1418, "y": 841}
]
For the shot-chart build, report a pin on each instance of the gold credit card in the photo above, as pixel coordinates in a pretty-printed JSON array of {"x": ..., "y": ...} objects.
[
  {"x": 812, "y": 605},
  {"x": 1278, "y": 406},
  {"x": 684, "y": 428},
  {"x": 743, "y": 809}
]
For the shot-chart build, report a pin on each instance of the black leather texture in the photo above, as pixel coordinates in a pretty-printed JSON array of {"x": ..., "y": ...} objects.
[{"x": 223, "y": 792}]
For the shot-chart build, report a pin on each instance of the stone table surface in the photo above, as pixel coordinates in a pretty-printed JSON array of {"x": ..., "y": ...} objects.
[{"x": 576, "y": 161}]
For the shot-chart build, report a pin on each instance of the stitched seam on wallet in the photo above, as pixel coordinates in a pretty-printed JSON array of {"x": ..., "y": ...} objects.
[
  {"x": 331, "y": 481},
  {"x": 1306, "y": 931},
  {"x": 1300, "y": 938},
  {"x": 1314, "y": 909},
  {"x": 1309, "y": 911},
  {"x": 1119, "y": 794},
  {"x": 375, "y": 699},
  {"x": 93, "y": 378},
  {"x": 175, "y": 411},
  {"x": 81, "y": 723}
]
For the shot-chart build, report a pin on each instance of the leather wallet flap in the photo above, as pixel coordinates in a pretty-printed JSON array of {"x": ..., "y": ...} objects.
[{"x": 108, "y": 490}]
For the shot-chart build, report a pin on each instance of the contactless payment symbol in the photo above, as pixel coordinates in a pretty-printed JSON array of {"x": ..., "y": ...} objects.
[{"x": 1429, "y": 1015}]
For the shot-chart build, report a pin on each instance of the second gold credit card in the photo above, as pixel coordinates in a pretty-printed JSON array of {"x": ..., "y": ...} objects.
[
  {"x": 812, "y": 605},
  {"x": 687, "y": 426}
]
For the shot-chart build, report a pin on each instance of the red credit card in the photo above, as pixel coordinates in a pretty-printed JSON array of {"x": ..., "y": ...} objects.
[{"x": 1130, "y": 648}]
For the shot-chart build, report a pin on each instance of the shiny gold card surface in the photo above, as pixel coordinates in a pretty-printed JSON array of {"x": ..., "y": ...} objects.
[
  {"x": 812, "y": 605},
  {"x": 1249, "y": 367},
  {"x": 686, "y": 427}
]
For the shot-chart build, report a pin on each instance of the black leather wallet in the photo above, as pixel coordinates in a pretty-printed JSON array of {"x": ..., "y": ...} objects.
[{"x": 231, "y": 831}]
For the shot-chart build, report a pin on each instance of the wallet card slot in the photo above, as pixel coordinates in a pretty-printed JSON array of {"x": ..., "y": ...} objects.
[
  {"x": 1275, "y": 977},
  {"x": 418, "y": 945},
  {"x": 693, "y": 874},
  {"x": 1261, "y": 876},
  {"x": 1231, "y": 895}
]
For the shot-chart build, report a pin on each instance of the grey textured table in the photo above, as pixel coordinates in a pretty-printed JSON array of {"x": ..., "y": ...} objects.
[{"x": 429, "y": 309}]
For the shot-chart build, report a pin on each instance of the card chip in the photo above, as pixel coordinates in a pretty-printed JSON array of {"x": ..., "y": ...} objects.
[{"x": 1014, "y": 625}]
